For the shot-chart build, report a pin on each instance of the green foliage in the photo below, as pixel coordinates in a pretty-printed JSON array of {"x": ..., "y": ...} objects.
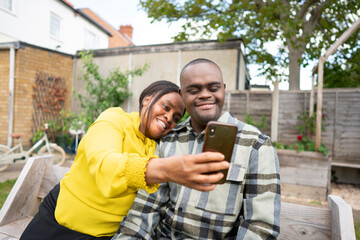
[
  {"x": 307, "y": 129},
  {"x": 283, "y": 146},
  {"x": 186, "y": 115},
  {"x": 102, "y": 92},
  {"x": 305, "y": 144},
  {"x": 37, "y": 136},
  {"x": 66, "y": 120},
  {"x": 5, "y": 188},
  {"x": 302, "y": 30},
  {"x": 343, "y": 72},
  {"x": 334, "y": 178},
  {"x": 260, "y": 125}
]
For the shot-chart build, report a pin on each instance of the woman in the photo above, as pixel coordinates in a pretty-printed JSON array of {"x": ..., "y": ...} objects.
[{"x": 109, "y": 168}]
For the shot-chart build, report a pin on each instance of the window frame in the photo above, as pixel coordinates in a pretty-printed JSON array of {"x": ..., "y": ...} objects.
[
  {"x": 55, "y": 17},
  {"x": 12, "y": 7},
  {"x": 90, "y": 43}
]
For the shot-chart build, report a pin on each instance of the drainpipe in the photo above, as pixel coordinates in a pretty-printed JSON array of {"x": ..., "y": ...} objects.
[
  {"x": 11, "y": 46},
  {"x": 129, "y": 99},
  {"x": 11, "y": 94},
  {"x": 179, "y": 62}
]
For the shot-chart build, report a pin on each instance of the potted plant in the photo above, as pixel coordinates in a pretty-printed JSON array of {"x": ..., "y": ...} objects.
[{"x": 61, "y": 126}]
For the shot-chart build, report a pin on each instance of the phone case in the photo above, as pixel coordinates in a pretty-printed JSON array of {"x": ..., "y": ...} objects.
[{"x": 220, "y": 137}]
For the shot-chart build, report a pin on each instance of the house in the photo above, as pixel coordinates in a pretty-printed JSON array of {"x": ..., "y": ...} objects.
[
  {"x": 38, "y": 40},
  {"x": 118, "y": 38},
  {"x": 56, "y": 25}
]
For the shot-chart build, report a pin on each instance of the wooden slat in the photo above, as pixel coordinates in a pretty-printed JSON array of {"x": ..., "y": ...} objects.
[
  {"x": 7, "y": 237},
  {"x": 28, "y": 183},
  {"x": 342, "y": 219},
  {"x": 304, "y": 222},
  {"x": 14, "y": 229},
  {"x": 304, "y": 176},
  {"x": 307, "y": 172},
  {"x": 52, "y": 176}
]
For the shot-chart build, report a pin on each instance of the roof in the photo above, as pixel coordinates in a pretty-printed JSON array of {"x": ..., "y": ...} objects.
[
  {"x": 204, "y": 45},
  {"x": 117, "y": 39},
  {"x": 77, "y": 11}
]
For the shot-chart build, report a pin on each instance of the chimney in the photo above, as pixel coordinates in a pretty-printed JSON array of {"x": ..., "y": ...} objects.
[{"x": 126, "y": 30}]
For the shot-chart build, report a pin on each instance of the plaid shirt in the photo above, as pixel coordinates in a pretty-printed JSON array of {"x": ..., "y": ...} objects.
[{"x": 246, "y": 206}]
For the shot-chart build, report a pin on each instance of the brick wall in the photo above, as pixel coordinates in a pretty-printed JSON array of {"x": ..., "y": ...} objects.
[{"x": 29, "y": 61}]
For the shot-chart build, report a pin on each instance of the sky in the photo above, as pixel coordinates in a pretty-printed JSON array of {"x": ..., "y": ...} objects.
[{"x": 128, "y": 12}]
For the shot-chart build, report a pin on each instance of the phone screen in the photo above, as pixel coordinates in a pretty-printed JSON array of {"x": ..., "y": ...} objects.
[{"x": 220, "y": 137}]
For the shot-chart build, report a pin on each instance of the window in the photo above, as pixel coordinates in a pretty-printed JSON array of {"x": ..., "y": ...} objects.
[
  {"x": 55, "y": 26},
  {"x": 7, "y": 5},
  {"x": 91, "y": 40}
]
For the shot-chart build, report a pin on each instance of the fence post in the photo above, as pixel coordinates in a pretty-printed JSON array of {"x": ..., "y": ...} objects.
[{"x": 275, "y": 112}]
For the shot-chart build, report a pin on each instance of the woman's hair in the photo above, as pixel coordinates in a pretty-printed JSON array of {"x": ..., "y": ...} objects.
[{"x": 156, "y": 90}]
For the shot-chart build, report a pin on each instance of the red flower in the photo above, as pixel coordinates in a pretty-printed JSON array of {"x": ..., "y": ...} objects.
[
  {"x": 323, "y": 115},
  {"x": 299, "y": 137}
]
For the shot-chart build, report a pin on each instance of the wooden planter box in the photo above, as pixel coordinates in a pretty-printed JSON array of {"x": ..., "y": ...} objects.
[{"x": 304, "y": 174}]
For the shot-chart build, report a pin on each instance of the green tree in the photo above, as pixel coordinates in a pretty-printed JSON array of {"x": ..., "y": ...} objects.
[
  {"x": 343, "y": 72},
  {"x": 303, "y": 28},
  {"x": 101, "y": 92}
]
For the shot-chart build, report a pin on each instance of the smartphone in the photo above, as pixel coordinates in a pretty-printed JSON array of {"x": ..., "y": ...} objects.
[{"x": 220, "y": 137}]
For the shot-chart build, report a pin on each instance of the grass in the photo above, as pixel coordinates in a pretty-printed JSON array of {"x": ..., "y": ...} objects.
[
  {"x": 5, "y": 188},
  {"x": 357, "y": 230},
  {"x": 316, "y": 202}
]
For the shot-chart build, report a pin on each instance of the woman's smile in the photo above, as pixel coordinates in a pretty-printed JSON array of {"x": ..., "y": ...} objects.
[{"x": 161, "y": 123}]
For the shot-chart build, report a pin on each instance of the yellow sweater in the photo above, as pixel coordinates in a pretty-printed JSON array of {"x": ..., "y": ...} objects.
[{"x": 107, "y": 172}]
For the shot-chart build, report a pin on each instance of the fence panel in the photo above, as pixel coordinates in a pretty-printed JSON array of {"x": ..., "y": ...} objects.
[
  {"x": 341, "y": 108},
  {"x": 256, "y": 104},
  {"x": 347, "y": 128}
]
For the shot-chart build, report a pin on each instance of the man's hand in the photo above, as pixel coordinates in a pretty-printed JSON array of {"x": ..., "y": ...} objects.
[{"x": 189, "y": 170}]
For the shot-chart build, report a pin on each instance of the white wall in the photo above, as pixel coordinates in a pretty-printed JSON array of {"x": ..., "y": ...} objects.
[
  {"x": 30, "y": 23},
  {"x": 165, "y": 62}
]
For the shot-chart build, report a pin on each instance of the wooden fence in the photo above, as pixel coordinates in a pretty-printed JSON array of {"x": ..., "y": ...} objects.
[{"x": 342, "y": 118}]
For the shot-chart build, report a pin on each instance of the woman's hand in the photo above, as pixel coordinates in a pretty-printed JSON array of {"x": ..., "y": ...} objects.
[{"x": 189, "y": 170}]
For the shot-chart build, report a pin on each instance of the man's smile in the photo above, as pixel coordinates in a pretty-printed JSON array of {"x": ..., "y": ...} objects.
[{"x": 204, "y": 105}]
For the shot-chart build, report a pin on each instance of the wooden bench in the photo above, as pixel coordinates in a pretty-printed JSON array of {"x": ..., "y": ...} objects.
[{"x": 297, "y": 221}]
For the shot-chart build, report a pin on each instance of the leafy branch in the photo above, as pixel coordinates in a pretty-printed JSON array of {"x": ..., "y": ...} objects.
[{"x": 103, "y": 92}]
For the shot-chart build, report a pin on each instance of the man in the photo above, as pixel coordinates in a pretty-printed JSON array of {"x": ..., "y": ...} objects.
[{"x": 246, "y": 206}]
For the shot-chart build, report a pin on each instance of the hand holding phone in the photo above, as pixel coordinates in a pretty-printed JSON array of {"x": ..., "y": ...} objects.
[{"x": 220, "y": 137}]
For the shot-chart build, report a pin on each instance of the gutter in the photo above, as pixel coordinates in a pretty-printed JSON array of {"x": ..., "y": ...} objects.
[{"x": 11, "y": 46}]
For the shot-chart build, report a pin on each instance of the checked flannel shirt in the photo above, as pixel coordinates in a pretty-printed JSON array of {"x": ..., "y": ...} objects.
[{"x": 246, "y": 206}]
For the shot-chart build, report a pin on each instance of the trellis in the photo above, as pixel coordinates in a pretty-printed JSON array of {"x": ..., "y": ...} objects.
[
  {"x": 48, "y": 100},
  {"x": 320, "y": 69}
]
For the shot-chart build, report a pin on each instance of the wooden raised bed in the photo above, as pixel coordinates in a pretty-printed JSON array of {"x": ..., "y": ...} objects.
[{"x": 304, "y": 174}]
